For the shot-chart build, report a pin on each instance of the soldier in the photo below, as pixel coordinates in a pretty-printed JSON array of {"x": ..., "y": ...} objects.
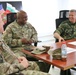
[
  {"x": 20, "y": 34},
  {"x": 67, "y": 29},
  {"x": 10, "y": 64}
]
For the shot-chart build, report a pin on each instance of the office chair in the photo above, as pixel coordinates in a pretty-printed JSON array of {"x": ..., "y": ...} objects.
[
  {"x": 63, "y": 15},
  {"x": 10, "y": 18}
]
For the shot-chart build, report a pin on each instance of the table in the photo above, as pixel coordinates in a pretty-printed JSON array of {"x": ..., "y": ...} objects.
[{"x": 64, "y": 66}]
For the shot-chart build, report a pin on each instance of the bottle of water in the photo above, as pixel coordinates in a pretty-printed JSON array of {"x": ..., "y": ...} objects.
[{"x": 64, "y": 51}]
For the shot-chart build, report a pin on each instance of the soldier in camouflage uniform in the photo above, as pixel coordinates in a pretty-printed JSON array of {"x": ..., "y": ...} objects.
[
  {"x": 20, "y": 34},
  {"x": 67, "y": 29},
  {"x": 10, "y": 64}
]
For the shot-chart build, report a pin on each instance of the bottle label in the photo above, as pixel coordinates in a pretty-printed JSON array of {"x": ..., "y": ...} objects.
[{"x": 64, "y": 54}]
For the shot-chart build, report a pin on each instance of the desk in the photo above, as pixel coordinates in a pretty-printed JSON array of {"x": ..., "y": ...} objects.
[{"x": 64, "y": 66}]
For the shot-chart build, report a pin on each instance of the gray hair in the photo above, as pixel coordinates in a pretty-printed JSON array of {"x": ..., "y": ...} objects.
[{"x": 72, "y": 10}]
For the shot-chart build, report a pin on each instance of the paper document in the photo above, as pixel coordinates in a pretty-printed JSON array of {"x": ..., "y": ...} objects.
[
  {"x": 73, "y": 43},
  {"x": 70, "y": 50}
]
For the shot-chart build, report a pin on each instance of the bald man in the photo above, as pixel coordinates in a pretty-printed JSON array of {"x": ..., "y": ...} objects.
[{"x": 20, "y": 34}]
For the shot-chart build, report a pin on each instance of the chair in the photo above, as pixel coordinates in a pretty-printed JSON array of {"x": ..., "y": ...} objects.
[
  {"x": 63, "y": 15},
  {"x": 10, "y": 18}
]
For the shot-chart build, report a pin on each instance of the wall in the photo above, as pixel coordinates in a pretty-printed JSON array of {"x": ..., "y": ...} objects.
[{"x": 42, "y": 14}]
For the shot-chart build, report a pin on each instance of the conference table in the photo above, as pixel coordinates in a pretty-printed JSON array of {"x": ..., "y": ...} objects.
[{"x": 64, "y": 66}]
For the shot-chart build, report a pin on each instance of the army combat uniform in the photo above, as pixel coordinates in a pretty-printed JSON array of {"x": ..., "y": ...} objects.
[
  {"x": 15, "y": 32},
  {"x": 9, "y": 63},
  {"x": 13, "y": 35},
  {"x": 67, "y": 30}
]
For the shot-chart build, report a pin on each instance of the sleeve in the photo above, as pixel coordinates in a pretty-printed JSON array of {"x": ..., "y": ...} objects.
[
  {"x": 61, "y": 28},
  {"x": 10, "y": 63},
  {"x": 6, "y": 68},
  {"x": 34, "y": 36},
  {"x": 8, "y": 38}
]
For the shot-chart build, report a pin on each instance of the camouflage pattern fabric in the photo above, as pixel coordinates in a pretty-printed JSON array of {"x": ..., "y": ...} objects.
[
  {"x": 67, "y": 30},
  {"x": 10, "y": 64},
  {"x": 39, "y": 51},
  {"x": 30, "y": 72},
  {"x": 57, "y": 54},
  {"x": 6, "y": 68},
  {"x": 14, "y": 33}
]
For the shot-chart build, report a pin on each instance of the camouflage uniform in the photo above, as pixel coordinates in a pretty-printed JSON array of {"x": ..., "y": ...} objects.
[
  {"x": 13, "y": 35},
  {"x": 67, "y": 30},
  {"x": 9, "y": 64}
]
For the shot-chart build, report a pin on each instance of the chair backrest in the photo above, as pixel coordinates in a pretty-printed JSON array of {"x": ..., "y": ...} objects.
[
  {"x": 10, "y": 18},
  {"x": 63, "y": 15},
  {"x": 58, "y": 21}
]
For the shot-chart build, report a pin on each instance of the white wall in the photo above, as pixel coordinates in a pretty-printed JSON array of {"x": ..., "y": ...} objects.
[{"x": 41, "y": 14}]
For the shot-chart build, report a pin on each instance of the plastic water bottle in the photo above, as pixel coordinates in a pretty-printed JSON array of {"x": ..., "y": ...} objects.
[{"x": 64, "y": 51}]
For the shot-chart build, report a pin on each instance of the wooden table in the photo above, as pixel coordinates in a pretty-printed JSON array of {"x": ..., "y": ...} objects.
[{"x": 64, "y": 66}]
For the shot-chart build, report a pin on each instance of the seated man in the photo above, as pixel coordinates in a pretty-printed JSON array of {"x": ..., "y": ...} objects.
[
  {"x": 67, "y": 29},
  {"x": 13, "y": 65},
  {"x": 20, "y": 34}
]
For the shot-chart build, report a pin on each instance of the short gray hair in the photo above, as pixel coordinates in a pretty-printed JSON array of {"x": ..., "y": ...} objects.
[{"x": 72, "y": 10}]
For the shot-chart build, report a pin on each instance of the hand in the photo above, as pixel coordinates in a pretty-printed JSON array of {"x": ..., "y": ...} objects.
[
  {"x": 24, "y": 41},
  {"x": 23, "y": 61},
  {"x": 30, "y": 42},
  {"x": 61, "y": 39}
]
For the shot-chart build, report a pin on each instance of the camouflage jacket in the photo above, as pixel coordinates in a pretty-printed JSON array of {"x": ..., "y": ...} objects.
[
  {"x": 67, "y": 30},
  {"x": 14, "y": 32},
  {"x": 8, "y": 60},
  {"x": 10, "y": 64}
]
